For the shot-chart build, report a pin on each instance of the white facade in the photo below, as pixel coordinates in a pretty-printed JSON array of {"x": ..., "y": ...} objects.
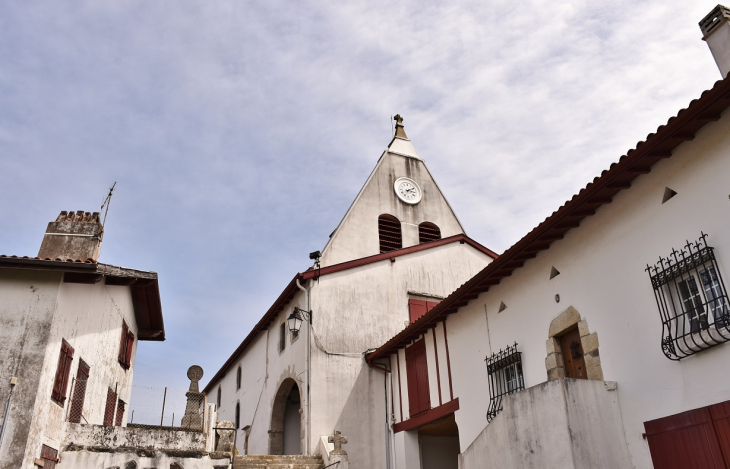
[
  {"x": 44, "y": 305},
  {"x": 360, "y": 299},
  {"x": 602, "y": 278}
]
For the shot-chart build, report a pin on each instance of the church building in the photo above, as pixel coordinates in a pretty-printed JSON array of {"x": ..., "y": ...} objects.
[{"x": 301, "y": 373}]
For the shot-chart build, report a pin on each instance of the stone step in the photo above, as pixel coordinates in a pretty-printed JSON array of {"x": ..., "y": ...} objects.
[{"x": 278, "y": 462}]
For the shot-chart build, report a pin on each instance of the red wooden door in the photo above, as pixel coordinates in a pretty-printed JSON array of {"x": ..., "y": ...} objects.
[
  {"x": 720, "y": 414},
  {"x": 686, "y": 440},
  {"x": 419, "y": 399}
]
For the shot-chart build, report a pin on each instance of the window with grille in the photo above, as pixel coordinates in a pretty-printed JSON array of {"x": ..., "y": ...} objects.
[
  {"x": 111, "y": 401},
  {"x": 389, "y": 231},
  {"x": 505, "y": 377},
  {"x": 692, "y": 300},
  {"x": 428, "y": 232},
  {"x": 120, "y": 413},
  {"x": 63, "y": 371},
  {"x": 125, "y": 346}
]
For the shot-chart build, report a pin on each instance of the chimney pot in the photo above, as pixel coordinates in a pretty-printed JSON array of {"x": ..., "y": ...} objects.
[{"x": 715, "y": 29}]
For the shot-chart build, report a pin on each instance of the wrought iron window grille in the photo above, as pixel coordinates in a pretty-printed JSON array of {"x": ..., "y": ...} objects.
[
  {"x": 505, "y": 377},
  {"x": 692, "y": 300}
]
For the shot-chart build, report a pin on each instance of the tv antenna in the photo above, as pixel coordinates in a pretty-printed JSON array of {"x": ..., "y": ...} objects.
[{"x": 106, "y": 202}]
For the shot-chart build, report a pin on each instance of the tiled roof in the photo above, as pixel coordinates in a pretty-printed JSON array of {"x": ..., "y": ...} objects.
[{"x": 600, "y": 191}]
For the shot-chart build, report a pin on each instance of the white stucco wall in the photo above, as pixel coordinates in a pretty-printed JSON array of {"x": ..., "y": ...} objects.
[
  {"x": 264, "y": 368},
  {"x": 26, "y": 312},
  {"x": 89, "y": 318},
  {"x": 602, "y": 275}
]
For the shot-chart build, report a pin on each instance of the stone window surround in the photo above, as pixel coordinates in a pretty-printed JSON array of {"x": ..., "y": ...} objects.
[{"x": 554, "y": 363}]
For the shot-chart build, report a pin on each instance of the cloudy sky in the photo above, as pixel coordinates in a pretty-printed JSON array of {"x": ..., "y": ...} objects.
[{"x": 239, "y": 132}]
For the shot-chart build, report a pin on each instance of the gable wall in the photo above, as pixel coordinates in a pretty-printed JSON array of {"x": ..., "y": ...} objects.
[
  {"x": 357, "y": 235},
  {"x": 602, "y": 275}
]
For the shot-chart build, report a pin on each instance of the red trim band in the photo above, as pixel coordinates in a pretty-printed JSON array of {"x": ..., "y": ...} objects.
[{"x": 437, "y": 413}]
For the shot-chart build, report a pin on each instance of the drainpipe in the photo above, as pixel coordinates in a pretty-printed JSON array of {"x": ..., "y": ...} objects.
[
  {"x": 307, "y": 358},
  {"x": 13, "y": 382}
]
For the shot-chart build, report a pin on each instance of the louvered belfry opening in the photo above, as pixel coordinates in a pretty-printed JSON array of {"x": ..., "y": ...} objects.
[
  {"x": 390, "y": 233},
  {"x": 428, "y": 232}
]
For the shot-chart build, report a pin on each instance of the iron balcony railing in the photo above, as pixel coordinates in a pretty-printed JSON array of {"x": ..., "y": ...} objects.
[{"x": 692, "y": 300}]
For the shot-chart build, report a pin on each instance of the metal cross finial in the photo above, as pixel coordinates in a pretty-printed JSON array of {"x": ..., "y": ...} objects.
[
  {"x": 398, "y": 119},
  {"x": 338, "y": 440}
]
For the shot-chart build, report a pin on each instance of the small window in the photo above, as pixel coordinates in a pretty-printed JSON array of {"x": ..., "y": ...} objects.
[
  {"x": 125, "y": 346},
  {"x": 79, "y": 393},
  {"x": 218, "y": 398},
  {"x": 692, "y": 300},
  {"x": 63, "y": 371},
  {"x": 428, "y": 232},
  {"x": 238, "y": 378},
  {"x": 282, "y": 337},
  {"x": 505, "y": 377},
  {"x": 238, "y": 415},
  {"x": 389, "y": 231}
]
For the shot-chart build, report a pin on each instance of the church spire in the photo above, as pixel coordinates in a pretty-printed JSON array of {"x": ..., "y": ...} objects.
[{"x": 401, "y": 144}]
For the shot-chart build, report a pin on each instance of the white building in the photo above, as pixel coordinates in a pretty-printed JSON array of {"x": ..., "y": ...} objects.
[
  {"x": 633, "y": 266},
  {"x": 397, "y": 252},
  {"x": 69, "y": 327}
]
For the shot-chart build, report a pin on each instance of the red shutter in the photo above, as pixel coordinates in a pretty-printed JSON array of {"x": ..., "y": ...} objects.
[
  {"x": 419, "y": 398},
  {"x": 120, "y": 413},
  {"x": 63, "y": 370},
  {"x": 130, "y": 346},
  {"x": 123, "y": 344},
  {"x": 684, "y": 440},
  {"x": 49, "y": 457},
  {"x": 430, "y": 305},
  {"x": 111, "y": 400},
  {"x": 417, "y": 308}
]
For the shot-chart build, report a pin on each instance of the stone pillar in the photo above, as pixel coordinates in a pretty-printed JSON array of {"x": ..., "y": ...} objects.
[
  {"x": 225, "y": 436},
  {"x": 192, "y": 419}
]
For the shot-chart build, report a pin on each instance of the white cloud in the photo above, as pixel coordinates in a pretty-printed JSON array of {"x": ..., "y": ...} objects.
[{"x": 239, "y": 132}]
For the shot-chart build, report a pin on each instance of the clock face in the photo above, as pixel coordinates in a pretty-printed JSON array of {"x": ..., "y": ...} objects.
[{"x": 407, "y": 190}]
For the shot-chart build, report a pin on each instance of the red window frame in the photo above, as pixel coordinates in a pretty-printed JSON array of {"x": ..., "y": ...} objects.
[
  {"x": 63, "y": 371},
  {"x": 126, "y": 346},
  {"x": 417, "y": 308}
]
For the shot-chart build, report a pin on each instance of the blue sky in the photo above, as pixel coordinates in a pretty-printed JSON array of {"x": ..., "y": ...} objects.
[{"x": 239, "y": 132}]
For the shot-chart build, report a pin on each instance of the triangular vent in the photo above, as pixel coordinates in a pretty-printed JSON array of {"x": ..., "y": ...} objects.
[
  {"x": 502, "y": 306},
  {"x": 554, "y": 273},
  {"x": 668, "y": 194}
]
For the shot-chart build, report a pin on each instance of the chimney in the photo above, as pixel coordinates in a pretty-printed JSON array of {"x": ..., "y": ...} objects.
[
  {"x": 75, "y": 236},
  {"x": 716, "y": 32}
]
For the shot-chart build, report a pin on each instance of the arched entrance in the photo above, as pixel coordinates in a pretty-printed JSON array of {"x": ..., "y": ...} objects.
[{"x": 285, "y": 435}]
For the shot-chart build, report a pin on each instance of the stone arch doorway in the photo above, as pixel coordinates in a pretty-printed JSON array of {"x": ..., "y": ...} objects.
[{"x": 285, "y": 433}]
